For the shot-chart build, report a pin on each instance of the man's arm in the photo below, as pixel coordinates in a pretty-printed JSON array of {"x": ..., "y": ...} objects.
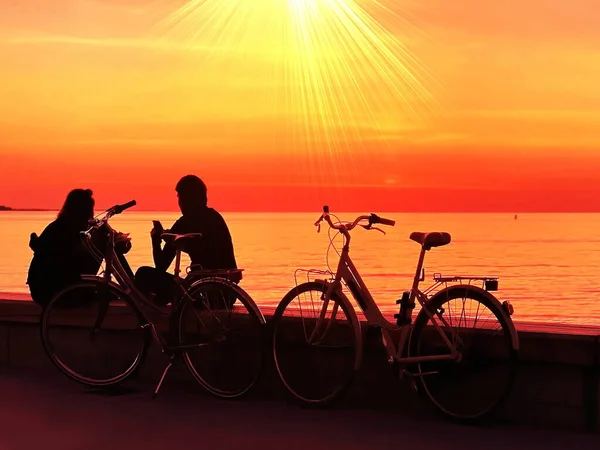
[{"x": 163, "y": 256}]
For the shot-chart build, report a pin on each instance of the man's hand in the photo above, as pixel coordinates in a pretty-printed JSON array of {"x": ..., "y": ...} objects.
[
  {"x": 156, "y": 232},
  {"x": 163, "y": 257},
  {"x": 155, "y": 235}
]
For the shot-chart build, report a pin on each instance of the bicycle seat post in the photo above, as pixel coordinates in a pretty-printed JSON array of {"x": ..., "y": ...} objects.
[{"x": 419, "y": 270}]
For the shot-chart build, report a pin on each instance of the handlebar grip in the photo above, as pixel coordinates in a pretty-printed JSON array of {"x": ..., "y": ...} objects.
[
  {"x": 120, "y": 208},
  {"x": 376, "y": 219},
  {"x": 128, "y": 205},
  {"x": 325, "y": 211},
  {"x": 389, "y": 222}
]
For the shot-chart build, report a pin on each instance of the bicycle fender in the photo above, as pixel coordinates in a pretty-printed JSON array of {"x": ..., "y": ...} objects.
[
  {"x": 235, "y": 287},
  {"x": 477, "y": 291},
  {"x": 102, "y": 280}
]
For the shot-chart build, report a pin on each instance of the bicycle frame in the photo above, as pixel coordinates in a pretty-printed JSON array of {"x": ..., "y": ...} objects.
[
  {"x": 126, "y": 286},
  {"x": 348, "y": 274}
]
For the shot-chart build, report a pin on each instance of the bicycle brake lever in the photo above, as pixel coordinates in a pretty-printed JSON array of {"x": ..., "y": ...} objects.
[{"x": 378, "y": 229}]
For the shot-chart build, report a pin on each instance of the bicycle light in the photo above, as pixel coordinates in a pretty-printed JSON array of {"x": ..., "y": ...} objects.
[{"x": 491, "y": 285}]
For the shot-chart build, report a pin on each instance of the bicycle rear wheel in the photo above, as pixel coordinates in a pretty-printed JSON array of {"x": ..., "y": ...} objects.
[
  {"x": 221, "y": 332},
  {"x": 476, "y": 386},
  {"x": 93, "y": 334},
  {"x": 316, "y": 371}
]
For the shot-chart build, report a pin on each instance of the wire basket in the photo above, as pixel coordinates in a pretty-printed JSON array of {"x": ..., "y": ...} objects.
[
  {"x": 328, "y": 275},
  {"x": 312, "y": 275}
]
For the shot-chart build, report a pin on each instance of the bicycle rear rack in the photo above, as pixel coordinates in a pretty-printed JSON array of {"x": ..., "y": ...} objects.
[
  {"x": 440, "y": 281},
  {"x": 486, "y": 283}
]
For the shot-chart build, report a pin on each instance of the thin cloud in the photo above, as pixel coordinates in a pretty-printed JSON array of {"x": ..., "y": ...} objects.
[{"x": 134, "y": 43}]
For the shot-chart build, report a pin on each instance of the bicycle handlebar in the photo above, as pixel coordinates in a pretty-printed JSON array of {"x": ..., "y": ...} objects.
[
  {"x": 344, "y": 227},
  {"x": 118, "y": 209},
  {"x": 113, "y": 211}
]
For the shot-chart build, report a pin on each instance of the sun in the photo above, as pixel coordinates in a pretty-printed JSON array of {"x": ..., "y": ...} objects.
[{"x": 347, "y": 72}]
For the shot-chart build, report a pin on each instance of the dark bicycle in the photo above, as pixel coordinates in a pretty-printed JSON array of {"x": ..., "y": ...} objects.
[{"x": 98, "y": 330}]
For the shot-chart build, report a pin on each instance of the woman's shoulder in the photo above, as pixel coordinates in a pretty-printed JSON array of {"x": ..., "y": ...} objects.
[
  {"x": 48, "y": 235},
  {"x": 52, "y": 228},
  {"x": 57, "y": 230}
]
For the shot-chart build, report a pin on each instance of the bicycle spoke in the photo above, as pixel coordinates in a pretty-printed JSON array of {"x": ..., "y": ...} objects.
[
  {"x": 315, "y": 345},
  {"x": 223, "y": 335},
  {"x": 116, "y": 338},
  {"x": 487, "y": 358}
]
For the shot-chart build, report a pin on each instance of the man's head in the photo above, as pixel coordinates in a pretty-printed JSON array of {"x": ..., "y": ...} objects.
[{"x": 191, "y": 193}]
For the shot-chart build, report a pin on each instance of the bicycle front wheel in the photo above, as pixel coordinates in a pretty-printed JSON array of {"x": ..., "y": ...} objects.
[
  {"x": 317, "y": 347},
  {"x": 93, "y": 334},
  {"x": 221, "y": 334},
  {"x": 476, "y": 385}
]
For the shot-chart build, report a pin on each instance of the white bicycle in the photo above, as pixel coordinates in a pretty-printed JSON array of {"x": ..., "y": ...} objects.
[{"x": 461, "y": 351}]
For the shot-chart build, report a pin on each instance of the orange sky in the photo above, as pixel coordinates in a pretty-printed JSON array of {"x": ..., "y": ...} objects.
[{"x": 91, "y": 95}]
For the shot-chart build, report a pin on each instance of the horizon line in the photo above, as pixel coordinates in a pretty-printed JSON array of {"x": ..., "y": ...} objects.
[{"x": 161, "y": 211}]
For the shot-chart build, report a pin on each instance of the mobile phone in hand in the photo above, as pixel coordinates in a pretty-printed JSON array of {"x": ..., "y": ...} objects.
[{"x": 157, "y": 224}]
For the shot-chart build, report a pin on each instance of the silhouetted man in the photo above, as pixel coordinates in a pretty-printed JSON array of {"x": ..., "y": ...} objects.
[{"x": 214, "y": 250}]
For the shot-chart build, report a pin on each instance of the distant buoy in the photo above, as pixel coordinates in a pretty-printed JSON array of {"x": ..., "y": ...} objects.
[{"x": 515, "y": 217}]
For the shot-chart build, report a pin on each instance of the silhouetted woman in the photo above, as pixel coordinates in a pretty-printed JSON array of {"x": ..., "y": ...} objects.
[{"x": 60, "y": 256}]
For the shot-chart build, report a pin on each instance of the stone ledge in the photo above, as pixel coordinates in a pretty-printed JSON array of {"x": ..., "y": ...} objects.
[
  {"x": 543, "y": 343},
  {"x": 558, "y": 382}
]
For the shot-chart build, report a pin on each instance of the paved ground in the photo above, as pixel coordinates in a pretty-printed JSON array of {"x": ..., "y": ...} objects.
[{"x": 56, "y": 413}]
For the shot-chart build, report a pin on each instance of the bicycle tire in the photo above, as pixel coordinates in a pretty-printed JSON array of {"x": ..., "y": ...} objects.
[
  {"x": 71, "y": 321},
  {"x": 293, "y": 387},
  {"x": 253, "y": 326},
  {"x": 509, "y": 355}
]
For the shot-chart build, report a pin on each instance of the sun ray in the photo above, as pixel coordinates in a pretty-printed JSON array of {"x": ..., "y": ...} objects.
[{"x": 342, "y": 65}]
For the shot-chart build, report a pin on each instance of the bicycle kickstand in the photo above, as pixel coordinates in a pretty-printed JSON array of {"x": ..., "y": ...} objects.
[{"x": 162, "y": 378}]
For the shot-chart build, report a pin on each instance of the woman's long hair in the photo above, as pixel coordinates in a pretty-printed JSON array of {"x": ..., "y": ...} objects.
[{"x": 78, "y": 208}]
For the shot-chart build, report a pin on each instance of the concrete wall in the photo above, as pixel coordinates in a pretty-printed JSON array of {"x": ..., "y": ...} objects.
[{"x": 557, "y": 385}]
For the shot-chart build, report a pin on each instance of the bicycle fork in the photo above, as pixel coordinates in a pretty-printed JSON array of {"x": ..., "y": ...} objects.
[{"x": 316, "y": 335}]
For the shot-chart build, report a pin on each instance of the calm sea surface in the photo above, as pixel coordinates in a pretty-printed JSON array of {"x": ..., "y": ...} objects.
[{"x": 548, "y": 264}]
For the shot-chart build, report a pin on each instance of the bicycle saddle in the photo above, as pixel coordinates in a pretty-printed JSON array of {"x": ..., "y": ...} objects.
[{"x": 431, "y": 239}]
